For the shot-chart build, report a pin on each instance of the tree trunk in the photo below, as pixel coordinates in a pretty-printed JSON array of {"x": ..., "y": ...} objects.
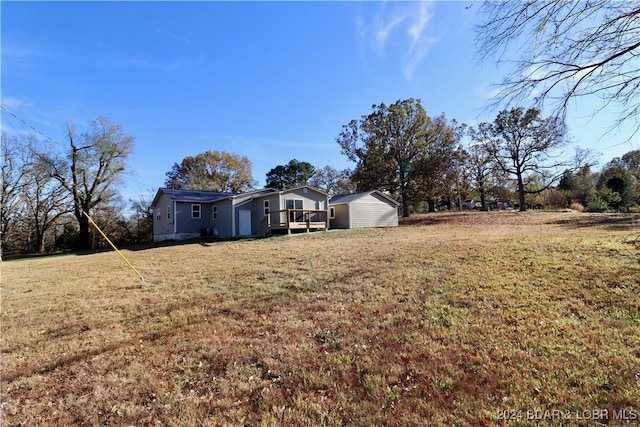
[
  {"x": 405, "y": 203},
  {"x": 431, "y": 205},
  {"x": 403, "y": 191},
  {"x": 85, "y": 235},
  {"x": 84, "y": 238},
  {"x": 523, "y": 204},
  {"x": 483, "y": 197},
  {"x": 39, "y": 242},
  {"x": 405, "y": 208}
]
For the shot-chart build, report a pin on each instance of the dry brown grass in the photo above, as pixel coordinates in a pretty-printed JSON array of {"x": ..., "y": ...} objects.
[{"x": 450, "y": 319}]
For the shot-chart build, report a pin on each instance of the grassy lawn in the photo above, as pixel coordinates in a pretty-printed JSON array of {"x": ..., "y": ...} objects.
[{"x": 473, "y": 319}]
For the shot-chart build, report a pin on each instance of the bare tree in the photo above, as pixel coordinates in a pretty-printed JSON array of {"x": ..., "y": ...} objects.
[
  {"x": 565, "y": 50},
  {"x": 479, "y": 161},
  {"x": 143, "y": 217},
  {"x": 13, "y": 176},
  {"x": 92, "y": 168},
  {"x": 332, "y": 180},
  {"x": 45, "y": 199},
  {"x": 31, "y": 199}
]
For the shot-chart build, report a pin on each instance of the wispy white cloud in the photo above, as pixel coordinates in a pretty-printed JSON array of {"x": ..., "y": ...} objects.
[
  {"x": 421, "y": 42},
  {"x": 384, "y": 27},
  {"x": 401, "y": 27},
  {"x": 172, "y": 35},
  {"x": 18, "y": 52},
  {"x": 18, "y": 58},
  {"x": 10, "y": 102},
  {"x": 418, "y": 26},
  {"x": 488, "y": 90}
]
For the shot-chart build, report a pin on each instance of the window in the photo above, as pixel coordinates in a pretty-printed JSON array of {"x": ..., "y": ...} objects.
[
  {"x": 332, "y": 213},
  {"x": 266, "y": 207},
  {"x": 195, "y": 211},
  {"x": 158, "y": 215},
  {"x": 294, "y": 203},
  {"x": 295, "y": 216},
  {"x": 214, "y": 212},
  {"x": 168, "y": 211}
]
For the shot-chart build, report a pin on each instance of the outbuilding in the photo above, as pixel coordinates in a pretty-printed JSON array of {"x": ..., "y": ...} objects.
[{"x": 364, "y": 209}]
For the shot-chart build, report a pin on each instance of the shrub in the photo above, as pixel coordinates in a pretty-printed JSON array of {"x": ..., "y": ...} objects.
[
  {"x": 597, "y": 204},
  {"x": 576, "y": 206},
  {"x": 555, "y": 199}
]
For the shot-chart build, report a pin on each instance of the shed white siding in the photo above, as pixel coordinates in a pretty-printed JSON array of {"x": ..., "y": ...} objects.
[
  {"x": 373, "y": 210},
  {"x": 365, "y": 209}
]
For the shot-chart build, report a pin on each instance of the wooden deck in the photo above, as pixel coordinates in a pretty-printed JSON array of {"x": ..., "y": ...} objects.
[{"x": 294, "y": 219}]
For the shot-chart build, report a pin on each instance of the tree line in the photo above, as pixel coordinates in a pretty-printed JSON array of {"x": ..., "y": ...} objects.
[
  {"x": 46, "y": 194},
  {"x": 426, "y": 163},
  {"x": 560, "y": 53}
]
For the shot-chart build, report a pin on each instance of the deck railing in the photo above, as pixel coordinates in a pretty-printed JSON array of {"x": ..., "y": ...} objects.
[{"x": 294, "y": 219}]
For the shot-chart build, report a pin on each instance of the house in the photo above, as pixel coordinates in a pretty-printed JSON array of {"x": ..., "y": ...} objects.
[
  {"x": 185, "y": 214},
  {"x": 364, "y": 209}
]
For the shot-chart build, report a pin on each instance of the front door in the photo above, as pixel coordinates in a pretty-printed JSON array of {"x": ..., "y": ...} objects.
[{"x": 244, "y": 217}]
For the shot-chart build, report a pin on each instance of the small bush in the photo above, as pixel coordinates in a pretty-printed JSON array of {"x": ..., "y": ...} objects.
[
  {"x": 577, "y": 207},
  {"x": 597, "y": 204},
  {"x": 555, "y": 199}
]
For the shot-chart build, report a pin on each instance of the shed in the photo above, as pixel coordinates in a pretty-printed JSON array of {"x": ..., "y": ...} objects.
[{"x": 364, "y": 209}]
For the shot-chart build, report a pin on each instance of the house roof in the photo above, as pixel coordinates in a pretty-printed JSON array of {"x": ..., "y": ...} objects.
[
  {"x": 348, "y": 198},
  {"x": 308, "y": 187},
  {"x": 270, "y": 191},
  {"x": 193, "y": 196},
  {"x": 256, "y": 193}
]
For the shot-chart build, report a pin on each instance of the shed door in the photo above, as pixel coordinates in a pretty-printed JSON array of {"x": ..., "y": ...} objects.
[{"x": 244, "y": 217}]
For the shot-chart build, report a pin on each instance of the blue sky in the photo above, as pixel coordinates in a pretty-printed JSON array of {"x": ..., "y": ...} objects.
[{"x": 270, "y": 80}]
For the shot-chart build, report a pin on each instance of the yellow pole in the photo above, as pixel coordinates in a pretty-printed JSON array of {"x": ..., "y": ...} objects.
[{"x": 113, "y": 246}]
